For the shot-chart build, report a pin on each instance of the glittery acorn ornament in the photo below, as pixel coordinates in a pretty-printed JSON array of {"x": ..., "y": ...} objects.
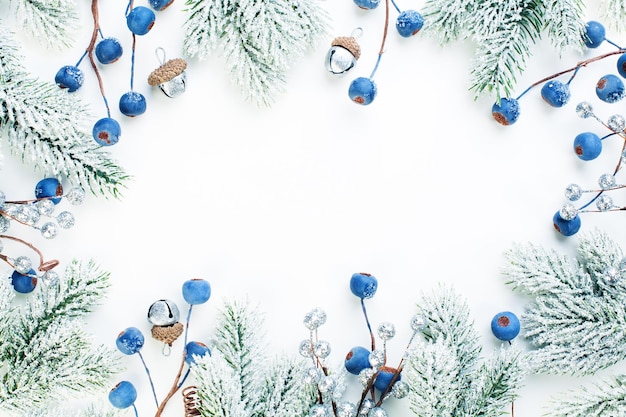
[
  {"x": 344, "y": 53},
  {"x": 164, "y": 315},
  {"x": 170, "y": 76}
]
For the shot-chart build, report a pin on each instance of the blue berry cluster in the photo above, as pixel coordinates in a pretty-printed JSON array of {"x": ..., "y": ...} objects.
[
  {"x": 39, "y": 213},
  {"x": 106, "y": 50},
  {"x": 164, "y": 316},
  {"x": 378, "y": 379},
  {"x": 340, "y": 59},
  {"x": 556, "y": 93}
]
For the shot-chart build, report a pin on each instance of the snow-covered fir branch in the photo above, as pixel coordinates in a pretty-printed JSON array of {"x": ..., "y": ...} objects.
[
  {"x": 259, "y": 39},
  {"x": 607, "y": 398},
  {"x": 613, "y": 12},
  {"x": 45, "y": 355},
  {"x": 239, "y": 379},
  {"x": 94, "y": 410},
  {"x": 50, "y": 22},
  {"x": 445, "y": 373},
  {"x": 576, "y": 321},
  {"x": 43, "y": 126}
]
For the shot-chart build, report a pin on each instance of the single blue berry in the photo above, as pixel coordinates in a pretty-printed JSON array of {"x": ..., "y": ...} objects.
[
  {"x": 505, "y": 326},
  {"x": 362, "y": 90},
  {"x": 108, "y": 50},
  {"x": 195, "y": 349},
  {"x": 123, "y": 395},
  {"x": 70, "y": 77},
  {"x": 106, "y": 131},
  {"x": 506, "y": 112},
  {"x": 595, "y": 34},
  {"x": 610, "y": 88},
  {"x": 140, "y": 20},
  {"x": 130, "y": 341},
  {"x": 555, "y": 93},
  {"x": 409, "y": 22},
  {"x": 160, "y": 5},
  {"x": 49, "y": 187},
  {"x": 363, "y": 285},
  {"x": 566, "y": 227},
  {"x": 196, "y": 291},
  {"x": 367, "y": 4},
  {"x": 24, "y": 283},
  {"x": 587, "y": 146},
  {"x": 357, "y": 360},
  {"x": 621, "y": 65},
  {"x": 385, "y": 376},
  {"x": 132, "y": 104}
]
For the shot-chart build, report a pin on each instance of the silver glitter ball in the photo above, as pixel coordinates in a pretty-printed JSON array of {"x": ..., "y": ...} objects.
[
  {"x": 340, "y": 60},
  {"x": 612, "y": 275},
  {"x": 568, "y": 211},
  {"x": 365, "y": 376},
  {"x": 23, "y": 264},
  {"x": 584, "y": 110},
  {"x": 326, "y": 384},
  {"x": 377, "y": 412},
  {"x": 75, "y": 196},
  {"x": 607, "y": 181},
  {"x": 366, "y": 406},
  {"x": 319, "y": 410},
  {"x": 604, "y": 202},
  {"x": 418, "y": 323},
  {"x": 386, "y": 330},
  {"x": 49, "y": 230},
  {"x": 46, "y": 207},
  {"x": 312, "y": 375},
  {"x": 176, "y": 86},
  {"x": 163, "y": 313},
  {"x": 321, "y": 349},
  {"x": 66, "y": 219},
  {"x": 377, "y": 358},
  {"x": 400, "y": 389},
  {"x": 346, "y": 409},
  {"x": 5, "y": 223},
  {"x": 50, "y": 277},
  {"x": 573, "y": 192},
  {"x": 314, "y": 318},
  {"x": 616, "y": 123},
  {"x": 306, "y": 348}
]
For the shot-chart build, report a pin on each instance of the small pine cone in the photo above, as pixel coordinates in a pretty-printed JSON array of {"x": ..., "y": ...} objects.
[
  {"x": 167, "y": 334},
  {"x": 350, "y": 43},
  {"x": 172, "y": 68}
]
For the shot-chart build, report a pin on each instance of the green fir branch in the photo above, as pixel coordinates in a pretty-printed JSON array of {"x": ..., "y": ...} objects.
[
  {"x": 598, "y": 400},
  {"x": 42, "y": 125},
  {"x": 259, "y": 39},
  {"x": 50, "y": 22},
  {"x": 444, "y": 374},
  {"x": 612, "y": 12},
  {"x": 576, "y": 320},
  {"x": 45, "y": 354}
]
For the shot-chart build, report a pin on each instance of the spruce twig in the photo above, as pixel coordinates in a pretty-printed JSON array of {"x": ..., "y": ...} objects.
[{"x": 50, "y": 22}]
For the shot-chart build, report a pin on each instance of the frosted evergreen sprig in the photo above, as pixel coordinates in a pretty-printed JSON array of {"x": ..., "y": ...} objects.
[
  {"x": 240, "y": 379},
  {"x": 607, "y": 398},
  {"x": 576, "y": 321},
  {"x": 259, "y": 39},
  {"x": 45, "y": 354},
  {"x": 41, "y": 123},
  {"x": 50, "y": 22},
  {"x": 445, "y": 373}
]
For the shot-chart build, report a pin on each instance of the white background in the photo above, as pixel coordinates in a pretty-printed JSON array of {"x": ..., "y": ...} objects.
[{"x": 283, "y": 204}]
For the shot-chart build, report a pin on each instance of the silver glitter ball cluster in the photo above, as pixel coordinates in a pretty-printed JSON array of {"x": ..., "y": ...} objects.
[
  {"x": 386, "y": 331},
  {"x": 314, "y": 318}
]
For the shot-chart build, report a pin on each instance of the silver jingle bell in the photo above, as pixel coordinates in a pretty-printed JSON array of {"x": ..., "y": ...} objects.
[
  {"x": 170, "y": 77},
  {"x": 163, "y": 313},
  {"x": 344, "y": 53}
]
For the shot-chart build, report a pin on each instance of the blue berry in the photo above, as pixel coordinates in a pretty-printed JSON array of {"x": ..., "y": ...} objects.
[
  {"x": 195, "y": 349},
  {"x": 555, "y": 93},
  {"x": 610, "y": 88},
  {"x": 130, "y": 341},
  {"x": 357, "y": 360},
  {"x": 132, "y": 104},
  {"x": 196, "y": 291},
  {"x": 49, "y": 187},
  {"x": 70, "y": 77},
  {"x": 362, "y": 91},
  {"x": 24, "y": 283},
  {"x": 384, "y": 378},
  {"x": 140, "y": 20},
  {"x": 363, "y": 285},
  {"x": 106, "y": 131},
  {"x": 506, "y": 112},
  {"x": 595, "y": 34},
  {"x": 566, "y": 227},
  {"x": 367, "y": 4},
  {"x": 505, "y": 326},
  {"x": 587, "y": 146},
  {"x": 621, "y": 65},
  {"x": 160, "y": 5},
  {"x": 123, "y": 395},
  {"x": 108, "y": 50},
  {"x": 409, "y": 22}
]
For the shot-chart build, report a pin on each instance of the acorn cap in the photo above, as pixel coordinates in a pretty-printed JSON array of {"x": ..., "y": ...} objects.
[
  {"x": 167, "y": 334},
  {"x": 350, "y": 43},
  {"x": 169, "y": 70}
]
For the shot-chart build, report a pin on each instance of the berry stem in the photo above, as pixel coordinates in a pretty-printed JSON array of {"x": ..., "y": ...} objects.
[
  {"x": 132, "y": 63},
  {"x": 369, "y": 326},
  {"x": 43, "y": 266},
  {"x": 90, "y": 48},
  {"x": 175, "y": 387},
  {"x": 149, "y": 378},
  {"x": 382, "y": 44},
  {"x": 187, "y": 323}
]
